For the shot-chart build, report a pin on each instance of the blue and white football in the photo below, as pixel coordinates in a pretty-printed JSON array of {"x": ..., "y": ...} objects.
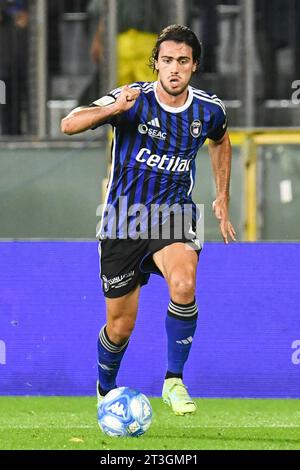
[{"x": 124, "y": 412}]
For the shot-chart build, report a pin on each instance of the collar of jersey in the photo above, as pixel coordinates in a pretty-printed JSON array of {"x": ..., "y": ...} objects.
[{"x": 172, "y": 109}]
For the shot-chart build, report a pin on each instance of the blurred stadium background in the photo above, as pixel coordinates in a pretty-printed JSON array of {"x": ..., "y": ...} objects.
[
  {"x": 250, "y": 60},
  {"x": 57, "y": 54}
]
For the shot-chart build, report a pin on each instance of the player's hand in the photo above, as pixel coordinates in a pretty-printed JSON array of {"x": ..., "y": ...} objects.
[
  {"x": 127, "y": 98},
  {"x": 220, "y": 208}
]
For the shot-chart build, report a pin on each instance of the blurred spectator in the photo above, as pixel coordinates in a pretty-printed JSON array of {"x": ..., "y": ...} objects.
[
  {"x": 273, "y": 34},
  {"x": 14, "y": 19},
  {"x": 202, "y": 18},
  {"x": 138, "y": 25},
  {"x": 55, "y": 11},
  {"x": 210, "y": 35},
  {"x": 296, "y": 39}
]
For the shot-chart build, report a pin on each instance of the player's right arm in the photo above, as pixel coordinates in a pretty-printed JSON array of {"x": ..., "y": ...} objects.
[{"x": 82, "y": 119}]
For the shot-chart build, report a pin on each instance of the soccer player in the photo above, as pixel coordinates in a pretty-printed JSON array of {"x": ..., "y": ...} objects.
[{"x": 158, "y": 128}]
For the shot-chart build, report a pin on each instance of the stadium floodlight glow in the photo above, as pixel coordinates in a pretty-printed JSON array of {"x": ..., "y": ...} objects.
[{"x": 2, "y": 92}]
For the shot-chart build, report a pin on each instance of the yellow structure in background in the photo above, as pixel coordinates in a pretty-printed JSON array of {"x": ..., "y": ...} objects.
[
  {"x": 134, "y": 49},
  {"x": 249, "y": 141}
]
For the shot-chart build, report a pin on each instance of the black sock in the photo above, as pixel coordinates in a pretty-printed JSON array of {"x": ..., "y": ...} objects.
[
  {"x": 171, "y": 375},
  {"x": 102, "y": 392}
]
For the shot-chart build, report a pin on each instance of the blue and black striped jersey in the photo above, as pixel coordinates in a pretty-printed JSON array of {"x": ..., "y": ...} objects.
[{"x": 154, "y": 147}]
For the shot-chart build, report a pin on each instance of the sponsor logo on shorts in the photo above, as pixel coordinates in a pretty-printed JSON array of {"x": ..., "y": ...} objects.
[
  {"x": 117, "y": 281},
  {"x": 105, "y": 283}
]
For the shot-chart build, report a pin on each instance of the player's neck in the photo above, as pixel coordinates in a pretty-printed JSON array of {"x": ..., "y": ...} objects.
[{"x": 170, "y": 100}]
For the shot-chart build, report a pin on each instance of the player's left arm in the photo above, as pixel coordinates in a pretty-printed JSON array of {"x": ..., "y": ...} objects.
[{"x": 220, "y": 153}]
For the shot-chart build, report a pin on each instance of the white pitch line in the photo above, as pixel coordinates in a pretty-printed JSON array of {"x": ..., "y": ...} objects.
[
  {"x": 217, "y": 426},
  {"x": 2, "y": 428},
  {"x": 227, "y": 426}
]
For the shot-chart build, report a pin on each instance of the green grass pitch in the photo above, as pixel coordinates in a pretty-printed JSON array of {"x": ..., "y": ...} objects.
[{"x": 70, "y": 423}]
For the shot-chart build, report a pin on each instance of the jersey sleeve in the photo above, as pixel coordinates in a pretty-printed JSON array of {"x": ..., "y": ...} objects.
[
  {"x": 219, "y": 124},
  {"x": 103, "y": 101}
]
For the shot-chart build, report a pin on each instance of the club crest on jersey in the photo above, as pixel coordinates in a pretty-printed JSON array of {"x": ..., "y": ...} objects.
[{"x": 196, "y": 128}]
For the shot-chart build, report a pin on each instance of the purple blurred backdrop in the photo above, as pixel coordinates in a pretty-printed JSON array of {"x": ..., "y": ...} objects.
[{"x": 247, "y": 343}]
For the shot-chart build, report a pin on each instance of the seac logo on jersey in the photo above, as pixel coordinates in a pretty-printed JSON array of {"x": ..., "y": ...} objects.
[
  {"x": 196, "y": 128},
  {"x": 154, "y": 131}
]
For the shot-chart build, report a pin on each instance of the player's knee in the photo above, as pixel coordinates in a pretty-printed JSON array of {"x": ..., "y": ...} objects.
[
  {"x": 120, "y": 330},
  {"x": 182, "y": 286}
]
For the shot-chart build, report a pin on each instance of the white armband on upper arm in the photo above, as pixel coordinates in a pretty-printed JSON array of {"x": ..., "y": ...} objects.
[{"x": 104, "y": 101}]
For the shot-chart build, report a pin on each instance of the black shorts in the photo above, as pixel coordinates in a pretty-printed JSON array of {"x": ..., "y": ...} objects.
[{"x": 128, "y": 263}]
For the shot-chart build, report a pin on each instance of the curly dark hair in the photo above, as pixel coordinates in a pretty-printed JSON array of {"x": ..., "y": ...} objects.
[{"x": 177, "y": 33}]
